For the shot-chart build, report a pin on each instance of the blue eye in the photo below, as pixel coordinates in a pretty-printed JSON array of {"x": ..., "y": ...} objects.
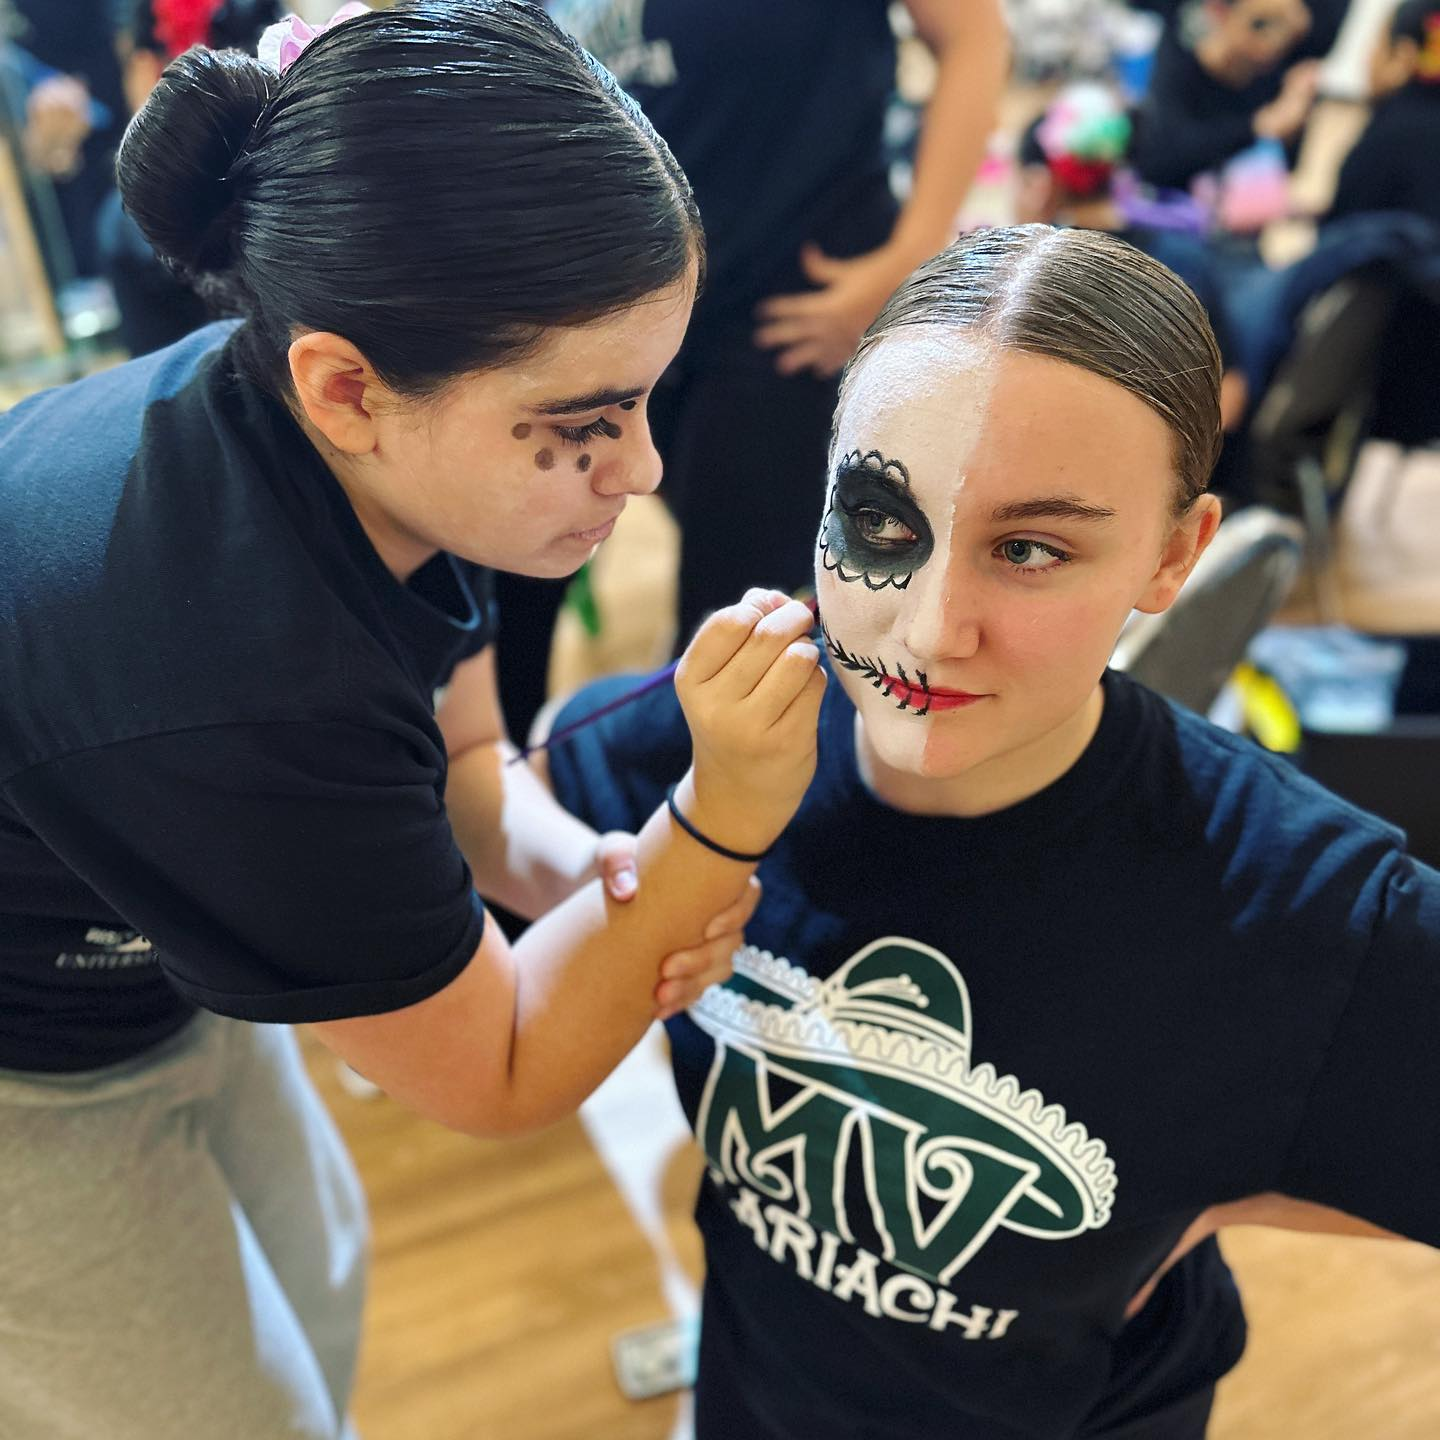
[{"x": 1019, "y": 553}]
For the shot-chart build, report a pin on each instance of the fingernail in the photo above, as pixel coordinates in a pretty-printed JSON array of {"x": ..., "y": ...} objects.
[{"x": 624, "y": 881}]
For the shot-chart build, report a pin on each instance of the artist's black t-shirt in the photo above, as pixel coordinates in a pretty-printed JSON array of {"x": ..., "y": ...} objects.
[
  {"x": 972, "y": 1079},
  {"x": 775, "y": 110},
  {"x": 221, "y": 782},
  {"x": 1189, "y": 121}
]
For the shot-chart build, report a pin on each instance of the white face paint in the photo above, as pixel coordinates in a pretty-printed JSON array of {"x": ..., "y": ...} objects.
[
  {"x": 910, "y": 418},
  {"x": 991, "y": 520}
]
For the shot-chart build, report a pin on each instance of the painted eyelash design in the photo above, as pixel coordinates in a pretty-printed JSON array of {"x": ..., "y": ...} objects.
[
  {"x": 879, "y": 679},
  {"x": 579, "y": 434}
]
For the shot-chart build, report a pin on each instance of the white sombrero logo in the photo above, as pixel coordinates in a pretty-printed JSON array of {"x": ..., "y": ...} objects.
[{"x": 877, "y": 1057}]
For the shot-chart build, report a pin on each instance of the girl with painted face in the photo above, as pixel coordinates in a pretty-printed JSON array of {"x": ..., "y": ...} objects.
[
  {"x": 1051, "y": 979},
  {"x": 233, "y": 576}
]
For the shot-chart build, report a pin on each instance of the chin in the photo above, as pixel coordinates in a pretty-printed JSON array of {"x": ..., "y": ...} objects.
[
  {"x": 544, "y": 566},
  {"x": 930, "y": 747},
  {"x": 551, "y": 567},
  {"x": 931, "y": 756}
]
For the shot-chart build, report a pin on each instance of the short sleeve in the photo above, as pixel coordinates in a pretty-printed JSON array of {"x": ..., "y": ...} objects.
[
  {"x": 613, "y": 773},
  {"x": 283, "y": 872},
  {"x": 1369, "y": 1141}
]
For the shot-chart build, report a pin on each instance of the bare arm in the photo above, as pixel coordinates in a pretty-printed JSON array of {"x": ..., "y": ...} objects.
[
  {"x": 525, "y": 851},
  {"x": 819, "y": 329},
  {"x": 1277, "y": 1212},
  {"x": 971, "y": 45},
  {"x": 522, "y": 1035}
]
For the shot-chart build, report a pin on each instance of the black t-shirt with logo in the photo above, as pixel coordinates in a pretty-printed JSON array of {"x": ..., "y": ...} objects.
[
  {"x": 973, "y": 1078},
  {"x": 221, "y": 781}
]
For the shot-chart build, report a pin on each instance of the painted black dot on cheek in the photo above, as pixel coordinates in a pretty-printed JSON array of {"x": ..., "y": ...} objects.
[
  {"x": 545, "y": 459},
  {"x": 583, "y": 463},
  {"x": 521, "y": 431}
]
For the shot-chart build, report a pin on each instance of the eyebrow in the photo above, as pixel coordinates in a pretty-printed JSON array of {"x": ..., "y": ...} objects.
[
  {"x": 1050, "y": 507},
  {"x": 595, "y": 400}
]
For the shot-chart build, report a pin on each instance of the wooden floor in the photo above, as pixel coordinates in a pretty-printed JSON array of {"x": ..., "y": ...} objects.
[{"x": 502, "y": 1272}]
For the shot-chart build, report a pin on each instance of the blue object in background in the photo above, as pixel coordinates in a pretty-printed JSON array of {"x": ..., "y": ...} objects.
[{"x": 1340, "y": 681}]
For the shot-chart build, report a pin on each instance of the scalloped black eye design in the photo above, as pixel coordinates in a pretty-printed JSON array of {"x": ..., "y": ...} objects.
[
  {"x": 876, "y": 674},
  {"x": 839, "y": 541}
]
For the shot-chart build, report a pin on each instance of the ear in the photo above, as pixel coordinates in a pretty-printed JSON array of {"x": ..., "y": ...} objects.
[
  {"x": 338, "y": 390},
  {"x": 1185, "y": 545}
]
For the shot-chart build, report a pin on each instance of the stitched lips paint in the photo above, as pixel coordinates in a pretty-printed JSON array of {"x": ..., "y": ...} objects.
[{"x": 925, "y": 698}]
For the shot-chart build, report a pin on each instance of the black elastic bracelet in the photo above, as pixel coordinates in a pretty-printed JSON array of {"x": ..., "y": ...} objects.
[{"x": 705, "y": 840}]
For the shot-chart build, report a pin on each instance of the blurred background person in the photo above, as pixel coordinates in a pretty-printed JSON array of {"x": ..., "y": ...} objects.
[
  {"x": 1393, "y": 165},
  {"x": 74, "y": 113},
  {"x": 155, "y": 307},
  {"x": 1226, "y": 74}
]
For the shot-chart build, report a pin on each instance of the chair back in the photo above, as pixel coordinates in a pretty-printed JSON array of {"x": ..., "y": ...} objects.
[{"x": 1189, "y": 651}]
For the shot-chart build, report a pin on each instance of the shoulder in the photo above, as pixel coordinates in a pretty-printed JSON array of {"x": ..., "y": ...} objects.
[
  {"x": 1268, "y": 826},
  {"x": 147, "y": 562},
  {"x": 102, "y": 415}
]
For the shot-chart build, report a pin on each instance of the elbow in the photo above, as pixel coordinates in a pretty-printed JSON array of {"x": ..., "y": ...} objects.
[{"x": 505, "y": 1119}]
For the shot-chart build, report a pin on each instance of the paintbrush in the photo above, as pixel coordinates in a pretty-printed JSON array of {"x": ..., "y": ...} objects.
[{"x": 645, "y": 686}]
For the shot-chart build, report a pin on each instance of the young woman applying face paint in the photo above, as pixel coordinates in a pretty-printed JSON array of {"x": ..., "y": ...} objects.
[
  {"x": 233, "y": 576},
  {"x": 1051, "y": 980}
]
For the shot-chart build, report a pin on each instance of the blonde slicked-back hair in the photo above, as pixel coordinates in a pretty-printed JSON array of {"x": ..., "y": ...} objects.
[{"x": 1087, "y": 299}]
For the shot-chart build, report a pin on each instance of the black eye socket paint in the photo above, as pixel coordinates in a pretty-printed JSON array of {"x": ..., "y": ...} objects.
[{"x": 873, "y": 530}]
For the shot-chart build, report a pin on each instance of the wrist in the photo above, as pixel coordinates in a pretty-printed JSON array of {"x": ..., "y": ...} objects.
[{"x": 730, "y": 822}]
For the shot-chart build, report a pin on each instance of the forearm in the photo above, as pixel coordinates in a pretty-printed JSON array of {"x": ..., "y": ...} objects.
[
  {"x": 522, "y": 1035},
  {"x": 525, "y": 852},
  {"x": 971, "y": 72},
  {"x": 584, "y": 973}
]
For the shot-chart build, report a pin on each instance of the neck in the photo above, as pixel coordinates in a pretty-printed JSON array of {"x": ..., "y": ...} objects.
[
  {"x": 401, "y": 551},
  {"x": 990, "y": 786}
]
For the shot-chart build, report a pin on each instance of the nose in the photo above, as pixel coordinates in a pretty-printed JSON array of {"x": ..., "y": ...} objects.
[
  {"x": 636, "y": 468},
  {"x": 942, "y": 618}
]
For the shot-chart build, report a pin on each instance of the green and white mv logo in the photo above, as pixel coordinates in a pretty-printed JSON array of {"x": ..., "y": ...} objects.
[{"x": 880, "y": 1053}]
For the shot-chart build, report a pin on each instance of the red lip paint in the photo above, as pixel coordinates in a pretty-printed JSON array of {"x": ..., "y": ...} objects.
[{"x": 924, "y": 698}]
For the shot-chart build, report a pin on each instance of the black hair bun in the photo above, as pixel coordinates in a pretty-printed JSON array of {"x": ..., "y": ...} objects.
[{"x": 175, "y": 159}]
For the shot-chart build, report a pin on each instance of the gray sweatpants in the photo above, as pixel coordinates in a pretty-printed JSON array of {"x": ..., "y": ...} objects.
[{"x": 182, "y": 1247}]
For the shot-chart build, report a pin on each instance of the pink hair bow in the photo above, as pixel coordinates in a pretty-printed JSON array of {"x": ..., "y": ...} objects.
[{"x": 281, "y": 44}]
